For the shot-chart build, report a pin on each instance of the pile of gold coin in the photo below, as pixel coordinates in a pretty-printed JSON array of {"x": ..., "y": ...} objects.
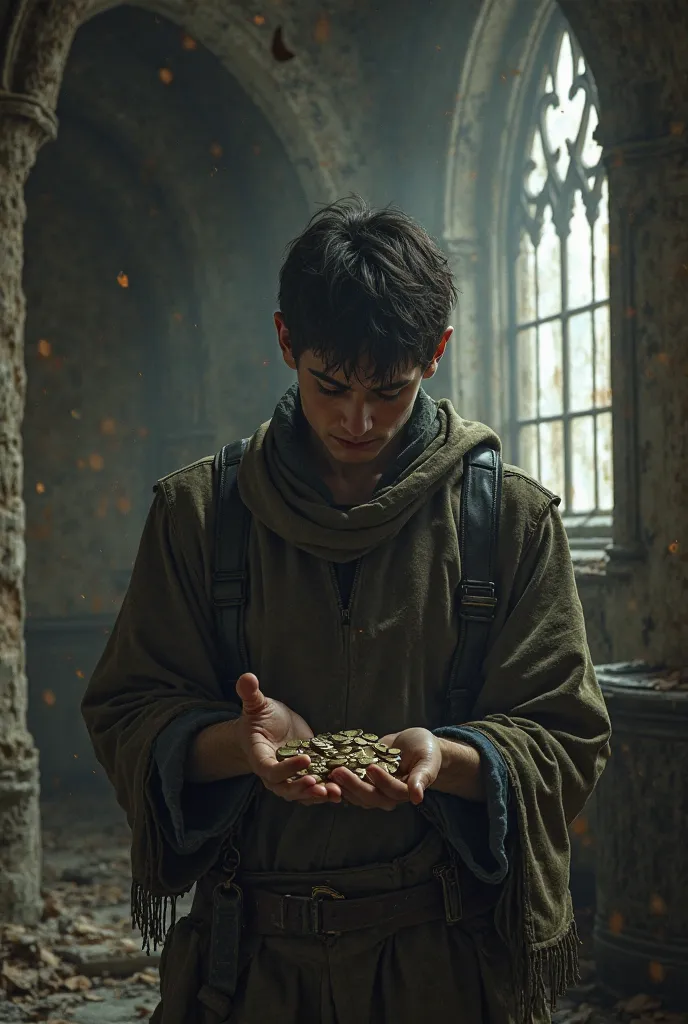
[{"x": 352, "y": 749}]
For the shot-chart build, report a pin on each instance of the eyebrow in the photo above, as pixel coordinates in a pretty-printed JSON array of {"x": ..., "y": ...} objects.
[{"x": 347, "y": 387}]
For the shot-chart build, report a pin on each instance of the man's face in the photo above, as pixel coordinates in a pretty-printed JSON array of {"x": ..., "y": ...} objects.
[{"x": 340, "y": 411}]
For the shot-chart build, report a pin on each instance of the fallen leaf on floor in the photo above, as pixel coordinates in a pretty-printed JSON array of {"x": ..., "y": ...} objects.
[
  {"x": 146, "y": 977},
  {"x": 78, "y": 983}
]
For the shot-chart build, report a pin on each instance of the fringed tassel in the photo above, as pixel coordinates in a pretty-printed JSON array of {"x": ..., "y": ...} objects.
[
  {"x": 558, "y": 965},
  {"x": 534, "y": 971},
  {"x": 149, "y": 915}
]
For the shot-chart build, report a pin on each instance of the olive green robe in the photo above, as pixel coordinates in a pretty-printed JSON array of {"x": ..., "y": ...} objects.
[{"x": 386, "y": 670}]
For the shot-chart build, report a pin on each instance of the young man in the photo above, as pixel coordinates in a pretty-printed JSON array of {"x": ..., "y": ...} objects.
[{"x": 456, "y": 903}]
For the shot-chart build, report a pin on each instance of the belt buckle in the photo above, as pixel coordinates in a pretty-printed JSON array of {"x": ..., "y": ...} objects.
[
  {"x": 318, "y": 893},
  {"x": 451, "y": 891}
]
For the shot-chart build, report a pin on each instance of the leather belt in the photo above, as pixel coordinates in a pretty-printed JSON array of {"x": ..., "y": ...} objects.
[{"x": 328, "y": 912}]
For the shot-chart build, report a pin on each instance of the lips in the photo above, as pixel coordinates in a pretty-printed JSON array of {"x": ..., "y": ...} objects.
[{"x": 354, "y": 444}]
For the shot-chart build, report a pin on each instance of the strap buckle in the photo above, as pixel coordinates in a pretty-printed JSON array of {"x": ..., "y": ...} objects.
[
  {"x": 480, "y": 598},
  {"x": 451, "y": 890},
  {"x": 310, "y": 909},
  {"x": 229, "y": 589}
]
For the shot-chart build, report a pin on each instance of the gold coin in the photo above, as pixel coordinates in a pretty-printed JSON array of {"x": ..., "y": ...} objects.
[
  {"x": 339, "y": 739},
  {"x": 284, "y": 752},
  {"x": 360, "y": 742},
  {"x": 293, "y": 743},
  {"x": 352, "y": 732},
  {"x": 381, "y": 748},
  {"x": 344, "y": 751},
  {"x": 361, "y": 772},
  {"x": 369, "y": 751},
  {"x": 366, "y": 761},
  {"x": 370, "y": 737},
  {"x": 336, "y": 762},
  {"x": 304, "y": 771},
  {"x": 394, "y": 751}
]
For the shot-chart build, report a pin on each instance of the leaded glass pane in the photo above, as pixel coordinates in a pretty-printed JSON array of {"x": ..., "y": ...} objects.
[
  {"x": 528, "y": 449},
  {"x": 580, "y": 364},
  {"x": 525, "y": 281},
  {"x": 551, "y": 378},
  {"x": 605, "y": 486},
  {"x": 603, "y": 382},
  {"x": 549, "y": 269},
  {"x": 527, "y": 374},
  {"x": 579, "y": 257},
  {"x": 582, "y": 464},
  {"x": 552, "y": 458},
  {"x": 601, "y": 247}
]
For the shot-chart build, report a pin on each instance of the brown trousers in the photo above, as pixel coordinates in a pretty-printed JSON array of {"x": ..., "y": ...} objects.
[{"x": 418, "y": 974}]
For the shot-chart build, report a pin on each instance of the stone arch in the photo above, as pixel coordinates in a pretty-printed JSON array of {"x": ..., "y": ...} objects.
[
  {"x": 295, "y": 100},
  {"x": 496, "y": 69}
]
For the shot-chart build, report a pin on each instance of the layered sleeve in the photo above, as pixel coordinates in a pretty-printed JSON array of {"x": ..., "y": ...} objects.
[
  {"x": 539, "y": 722},
  {"x": 541, "y": 706},
  {"x": 157, "y": 684}
]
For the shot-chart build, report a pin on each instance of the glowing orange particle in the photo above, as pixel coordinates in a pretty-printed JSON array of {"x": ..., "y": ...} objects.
[
  {"x": 616, "y": 923},
  {"x": 673, "y": 547},
  {"x": 165, "y": 76},
  {"x": 321, "y": 33},
  {"x": 122, "y": 280},
  {"x": 40, "y": 488},
  {"x": 48, "y": 697},
  {"x": 124, "y": 506},
  {"x": 75, "y": 414},
  {"x": 81, "y": 464},
  {"x": 80, "y": 674},
  {"x": 216, "y": 150},
  {"x": 44, "y": 348},
  {"x": 657, "y": 905},
  {"x": 142, "y": 431},
  {"x": 188, "y": 43},
  {"x": 108, "y": 426},
  {"x": 656, "y": 972},
  {"x": 96, "y": 462},
  {"x": 677, "y": 127},
  {"x": 580, "y": 825},
  {"x": 178, "y": 317},
  {"x": 101, "y": 510},
  {"x": 258, "y": 19}
]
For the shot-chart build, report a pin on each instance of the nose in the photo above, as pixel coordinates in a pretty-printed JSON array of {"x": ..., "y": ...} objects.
[{"x": 357, "y": 420}]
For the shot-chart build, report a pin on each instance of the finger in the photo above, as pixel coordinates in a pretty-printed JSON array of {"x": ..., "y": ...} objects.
[
  {"x": 302, "y": 789},
  {"x": 273, "y": 772},
  {"x": 248, "y": 690},
  {"x": 362, "y": 794},
  {"x": 418, "y": 781},
  {"x": 387, "y": 784}
]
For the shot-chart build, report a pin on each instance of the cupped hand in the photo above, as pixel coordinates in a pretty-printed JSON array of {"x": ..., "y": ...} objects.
[
  {"x": 265, "y": 726},
  {"x": 421, "y": 759}
]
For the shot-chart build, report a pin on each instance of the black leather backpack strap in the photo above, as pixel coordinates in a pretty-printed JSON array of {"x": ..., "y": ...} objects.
[
  {"x": 230, "y": 566},
  {"x": 481, "y": 497}
]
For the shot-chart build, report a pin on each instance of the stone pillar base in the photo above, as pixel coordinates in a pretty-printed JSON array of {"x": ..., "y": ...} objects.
[{"x": 20, "y": 845}]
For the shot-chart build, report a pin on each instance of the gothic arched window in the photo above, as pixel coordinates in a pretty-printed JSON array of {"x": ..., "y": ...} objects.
[{"x": 561, "y": 421}]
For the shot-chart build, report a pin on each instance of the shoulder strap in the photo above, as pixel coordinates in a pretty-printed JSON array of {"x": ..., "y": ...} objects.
[
  {"x": 481, "y": 496},
  {"x": 230, "y": 576}
]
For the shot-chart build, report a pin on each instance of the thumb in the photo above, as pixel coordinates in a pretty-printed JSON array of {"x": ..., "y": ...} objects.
[
  {"x": 248, "y": 690},
  {"x": 420, "y": 777}
]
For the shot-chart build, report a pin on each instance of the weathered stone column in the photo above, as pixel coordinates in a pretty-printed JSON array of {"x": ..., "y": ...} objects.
[{"x": 34, "y": 44}]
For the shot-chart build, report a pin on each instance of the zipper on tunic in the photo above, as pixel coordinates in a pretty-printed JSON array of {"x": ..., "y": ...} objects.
[{"x": 345, "y": 613}]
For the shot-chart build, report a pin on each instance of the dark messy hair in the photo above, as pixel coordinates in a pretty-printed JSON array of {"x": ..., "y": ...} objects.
[{"x": 361, "y": 284}]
